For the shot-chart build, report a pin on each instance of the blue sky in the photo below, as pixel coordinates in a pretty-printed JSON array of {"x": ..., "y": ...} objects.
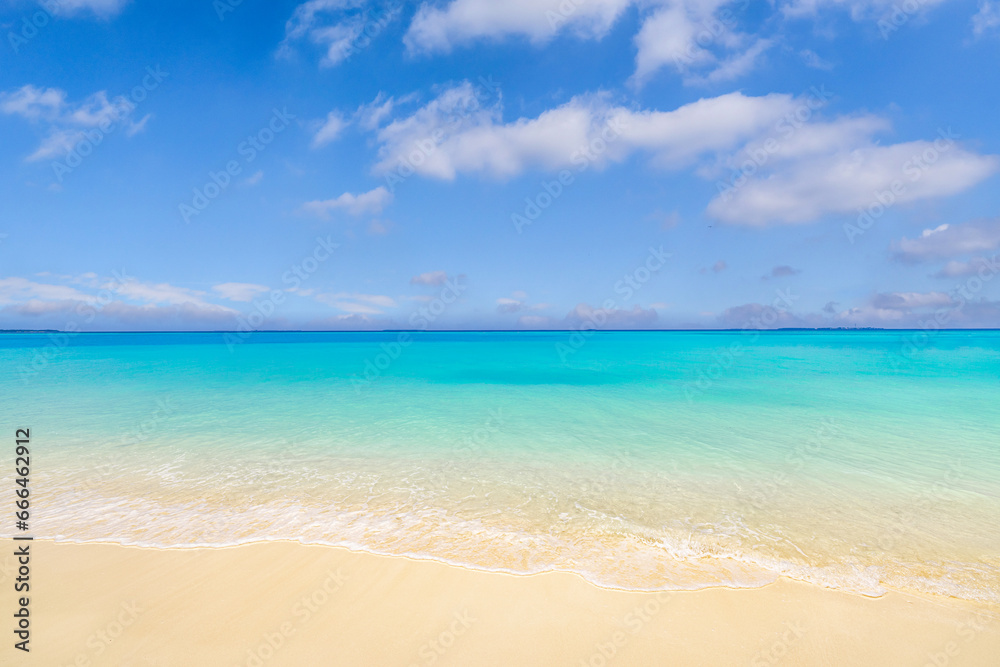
[{"x": 481, "y": 164}]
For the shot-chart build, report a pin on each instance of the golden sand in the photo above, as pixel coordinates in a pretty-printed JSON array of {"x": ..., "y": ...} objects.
[{"x": 287, "y": 604}]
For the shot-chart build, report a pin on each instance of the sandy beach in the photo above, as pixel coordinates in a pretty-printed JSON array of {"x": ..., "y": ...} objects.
[{"x": 289, "y": 604}]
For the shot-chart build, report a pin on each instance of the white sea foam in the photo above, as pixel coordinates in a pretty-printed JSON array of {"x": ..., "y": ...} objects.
[{"x": 611, "y": 552}]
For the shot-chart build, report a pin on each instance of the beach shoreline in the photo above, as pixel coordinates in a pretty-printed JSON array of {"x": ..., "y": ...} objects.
[{"x": 101, "y": 603}]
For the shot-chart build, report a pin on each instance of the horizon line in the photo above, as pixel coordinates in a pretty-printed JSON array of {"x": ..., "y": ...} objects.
[{"x": 594, "y": 330}]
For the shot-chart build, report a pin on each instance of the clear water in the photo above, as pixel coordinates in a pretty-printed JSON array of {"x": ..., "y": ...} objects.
[{"x": 641, "y": 460}]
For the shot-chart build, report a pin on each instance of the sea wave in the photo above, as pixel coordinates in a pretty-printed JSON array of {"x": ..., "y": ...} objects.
[{"x": 612, "y": 552}]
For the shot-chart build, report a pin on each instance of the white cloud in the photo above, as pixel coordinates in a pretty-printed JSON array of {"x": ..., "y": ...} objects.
[
  {"x": 58, "y": 142},
  {"x": 95, "y": 110},
  {"x": 102, "y": 8},
  {"x": 371, "y": 115},
  {"x": 117, "y": 315},
  {"x": 15, "y": 290},
  {"x": 684, "y": 34},
  {"x": 162, "y": 293},
  {"x": 974, "y": 266},
  {"x": 859, "y": 10},
  {"x": 477, "y": 141},
  {"x": 735, "y": 65},
  {"x": 105, "y": 303},
  {"x": 838, "y": 167},
  {"x": 812, "y": 59},
  {"x": 987, "y": 18},
  {"x": 66, "y": 122},
  {"x": 432, "y": 278},
  {"x": 669, "y": 37},
  {"x": 138, "y": 126},
  {"x": 505, "y": 305},
  {"x": 913, "y": 310},
  {"x": 709, "y": 125},
  {"x": 698, "y": 40},
  {"x": 338, "y": 39},
  {"x": 462, "y": 21},
  {"x": 371, "y": 202},
  {"x": 810, "y": 166},
  {"x": 308, "y": 16},
  {"x": 360, "y": 304},
  {"x": 341, "y": 27},
  {"x": 239, "y": 291},
  {"x": 254, "y": 179},
  {"x": 518, "y": 302},
  {"x": 911, "y": 300},
  {"x": 949, "y": 241},
  {"x": 34, "y": 103},
  {"x": 329, "y": 129}
]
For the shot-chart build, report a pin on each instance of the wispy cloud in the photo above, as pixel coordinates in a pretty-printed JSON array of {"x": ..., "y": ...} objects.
[
  {"x": 371, "y": 202},
  {"x": 102, "y": 8},
  {"x": 949, "y": 241},
  {"x": 559, "y": 138},
  {"x": 438, "y": 28},
  {"x": 809, "y": 168},
  {"x": 432, "y": 278},
  {"x": 66, "y": 123},
  {"x": 987, "y": 18},
  {"x": 839, "y": 166},
  {"x": 88, "y": 301},
  {"x": 356, "y": 303},
  {"x": 329, "y": 130},
  {"x": 239, "y": 291},
  {"x": 340, "y": 27}
]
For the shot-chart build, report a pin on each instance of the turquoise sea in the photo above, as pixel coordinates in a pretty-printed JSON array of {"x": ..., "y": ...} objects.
[{"x": 859, "y": 460}]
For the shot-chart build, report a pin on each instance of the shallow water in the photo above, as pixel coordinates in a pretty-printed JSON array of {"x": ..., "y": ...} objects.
[{"x": 648, "y": 460}]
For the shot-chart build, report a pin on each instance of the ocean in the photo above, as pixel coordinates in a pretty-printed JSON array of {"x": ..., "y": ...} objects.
[{"x": 857, "y": 460}]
